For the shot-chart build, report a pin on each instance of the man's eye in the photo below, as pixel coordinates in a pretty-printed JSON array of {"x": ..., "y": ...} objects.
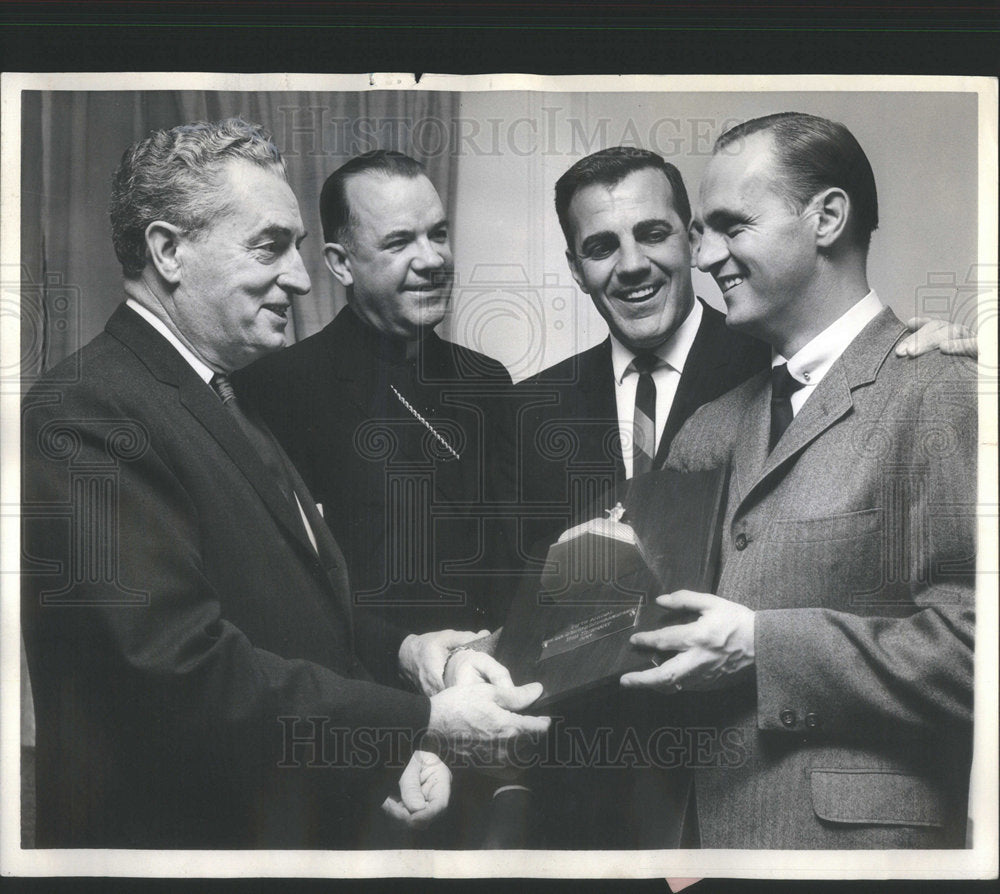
[
  {"x": 599, "y": 252},
  {"x": 439, "y": 236},
  {"x": 658, "y": 235}
]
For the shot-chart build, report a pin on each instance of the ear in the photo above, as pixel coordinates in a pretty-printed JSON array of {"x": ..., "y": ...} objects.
[
  {"x": 695, "y": 231},
  {"x": 162, "y": 242},
  {"x": 574, "y": 268},
  {"x": 833, "y": 207},
  {"x": 338, "y": 262}
]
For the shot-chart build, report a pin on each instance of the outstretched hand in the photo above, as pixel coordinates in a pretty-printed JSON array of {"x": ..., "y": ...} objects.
[{"x": 710, "y": 650}]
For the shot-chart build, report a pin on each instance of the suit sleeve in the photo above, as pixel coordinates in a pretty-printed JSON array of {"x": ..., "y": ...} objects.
[
  {"x": 851, "y": 672},
  {"x": 152, "y": 624}
]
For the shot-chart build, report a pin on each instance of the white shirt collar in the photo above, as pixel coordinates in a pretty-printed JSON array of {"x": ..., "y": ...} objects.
[
  {"x": 813, "y": 360},
  {"x": 673, "y": 351},
  {"x": 204, "y": 372}
]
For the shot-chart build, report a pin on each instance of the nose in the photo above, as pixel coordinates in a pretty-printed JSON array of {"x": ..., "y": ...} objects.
[
  {"x": 632, "y": 261},
  {"x": 712, "y": 250},
  {"x": 294, "y": 279},
  {"x": 431, "y": 255}
]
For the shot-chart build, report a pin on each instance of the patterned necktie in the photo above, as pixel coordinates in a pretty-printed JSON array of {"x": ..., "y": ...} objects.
[
  {"x": 783, "y": 386},
  {"x": 644, "y": 418},
  {"x": 262, "y": 440}
]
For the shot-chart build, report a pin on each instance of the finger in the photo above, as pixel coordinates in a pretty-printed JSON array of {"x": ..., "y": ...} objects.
[
  {"x": 687, "y": 600},
  {"x": 491, "y": 670},
  {"x": 671, "y": 676},
  {"x": 409, "y": 787},
  {"x": 666, "y": 639},
  {"x": 930, "y": 336},
  {"x": 517, "y": 698},
  {"x": 914, "y": 323},
  {"x": 962, "y": 347},
  {"x": 396, "y": 810}
]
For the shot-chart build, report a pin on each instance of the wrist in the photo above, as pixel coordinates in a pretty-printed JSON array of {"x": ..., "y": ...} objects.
[{"x": 451, "y": 654}]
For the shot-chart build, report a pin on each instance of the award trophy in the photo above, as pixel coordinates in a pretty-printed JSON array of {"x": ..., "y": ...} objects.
[{"x": 569, "y": 628}]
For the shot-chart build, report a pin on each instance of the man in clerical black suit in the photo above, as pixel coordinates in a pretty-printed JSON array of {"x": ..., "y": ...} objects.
[
  {"x": 196, "y": 669},
  {"x": 388, "y": 423}
]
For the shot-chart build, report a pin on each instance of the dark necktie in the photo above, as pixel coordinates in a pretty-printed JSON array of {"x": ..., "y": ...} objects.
[
  {"x": 644, "y": 418},
  {"x": 260, "y": 438},
  {"x": 783, "y": 386}
]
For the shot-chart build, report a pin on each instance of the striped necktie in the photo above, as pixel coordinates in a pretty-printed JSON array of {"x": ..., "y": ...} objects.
[{"x": 644, "y": 418}]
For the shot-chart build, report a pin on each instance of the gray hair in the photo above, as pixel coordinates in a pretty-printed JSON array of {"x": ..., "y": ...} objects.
[{"x": 173, "y": 175}]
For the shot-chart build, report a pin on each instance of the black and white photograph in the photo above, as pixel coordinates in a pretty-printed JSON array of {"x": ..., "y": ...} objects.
[{"x": 499, "y": 476}]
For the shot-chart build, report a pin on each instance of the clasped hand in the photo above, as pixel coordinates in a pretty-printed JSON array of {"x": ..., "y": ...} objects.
[
  {"x": 424, "y": 790},
  {"x": 710, "y": 650}
]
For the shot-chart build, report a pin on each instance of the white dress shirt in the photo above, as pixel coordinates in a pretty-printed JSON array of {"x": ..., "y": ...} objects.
[
  {"x": 666, "y": 376},
  {"x": 205, "y": 373},
  {"x": 813, "y": 360}
]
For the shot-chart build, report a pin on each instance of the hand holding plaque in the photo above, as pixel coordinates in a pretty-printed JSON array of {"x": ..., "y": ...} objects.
[{"x": 569, "y": 628}]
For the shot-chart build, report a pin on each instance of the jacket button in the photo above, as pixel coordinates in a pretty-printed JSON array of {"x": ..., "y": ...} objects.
[
  {"x": 787, "y": 717},
  {"x": 813, "y": 721},
  {"x": 741, "y": 541}
]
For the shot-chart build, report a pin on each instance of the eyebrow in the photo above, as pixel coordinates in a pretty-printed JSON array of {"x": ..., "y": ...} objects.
[
  {"x": 404, "y": 233},
  {"x": 273, "y": 231},
  {"x": 722, "y": 217}
]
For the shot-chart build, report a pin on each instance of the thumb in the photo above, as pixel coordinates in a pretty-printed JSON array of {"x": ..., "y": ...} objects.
[
  {"x": 686, "y": 600},
  {"x": 409, "y": 788},
  {"x": 517, "y": 698}
]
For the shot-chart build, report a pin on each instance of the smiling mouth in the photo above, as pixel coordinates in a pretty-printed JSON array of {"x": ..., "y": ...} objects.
[
  {"x": 279, "y": 310},
  {"x": 639, "y": 293},
  {"x": 728, "y": 282}
]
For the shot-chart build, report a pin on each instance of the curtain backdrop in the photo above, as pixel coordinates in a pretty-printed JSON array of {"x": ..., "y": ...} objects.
[{"x": 72, "y": 141}]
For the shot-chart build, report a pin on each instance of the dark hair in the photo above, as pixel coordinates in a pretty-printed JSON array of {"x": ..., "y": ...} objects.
[
  {"x": 173, "y": 175},
  {"x": 815, "y": 154},
  {"x": 611, "y": 166},
  {"x": 334, "y": 211}
]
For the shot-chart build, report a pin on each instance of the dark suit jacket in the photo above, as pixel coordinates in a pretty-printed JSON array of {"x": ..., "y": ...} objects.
[
  {"x": 562, "y": 446},
  {"x": 192, "y": 657},
  {"x": 854, "y": 542},
  {"x": 406, "y": 512}
]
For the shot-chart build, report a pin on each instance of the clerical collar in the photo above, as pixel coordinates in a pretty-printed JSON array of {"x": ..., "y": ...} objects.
[{"x": 390, "y": 349}]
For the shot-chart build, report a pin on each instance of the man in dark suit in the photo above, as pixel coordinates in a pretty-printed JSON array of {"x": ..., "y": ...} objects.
[
  {"x": 839, "y": 648},
  {"x": 387, "y": 422},
  {"x": 625, "y": 215},
  {"x": 197, "y": 674}
]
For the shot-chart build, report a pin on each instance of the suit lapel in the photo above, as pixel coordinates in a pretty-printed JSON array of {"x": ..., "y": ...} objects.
[
  {"x": 831, "y": 401},
  {"x": 200, "y": 400},
  {"x": 696, "y": 383}
]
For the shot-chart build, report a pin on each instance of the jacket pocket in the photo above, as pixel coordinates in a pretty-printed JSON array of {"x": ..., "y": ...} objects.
[{"x": 884, "y": 797}]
